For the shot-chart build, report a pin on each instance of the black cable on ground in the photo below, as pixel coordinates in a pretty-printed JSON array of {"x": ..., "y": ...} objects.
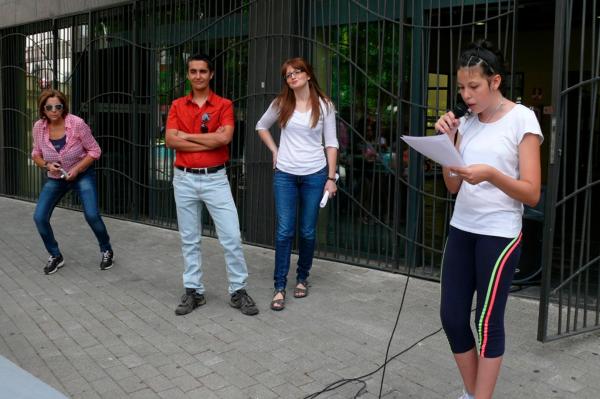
[
  {"x": 344, "y": 381},
  {"x": 387, "y": 351},
  {"x": 341, "y": 382}
]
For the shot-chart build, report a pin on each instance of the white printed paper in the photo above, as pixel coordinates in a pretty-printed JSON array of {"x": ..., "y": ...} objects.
[{"x": 438, "y": 148}]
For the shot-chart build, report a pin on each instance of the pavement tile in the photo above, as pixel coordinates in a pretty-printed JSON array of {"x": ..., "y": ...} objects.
[
  {"x": 145, "y": 371},
  {"x": 93, "y": 334},
  {"x": 202, "y": 392},
  {"x": 197, "y": 369},
  {"x": 232, "y": 392},
  {"x": 132, "y": 384},
  {"x": 118, "y": 372},
  {"x": 269, "y": 379},
  {"x": 159, "y": 383},
  {"x": 173, "y": 393},
  {"x": 213, "y": 381},
  {"x": 172, "y": 370},
  {"x": 105, "y": 385},
  {"x": 186, "y": 383},
  {"x": 144, "y": 394}
]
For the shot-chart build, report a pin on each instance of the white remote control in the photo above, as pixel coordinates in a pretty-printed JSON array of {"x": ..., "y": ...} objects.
[
  {"x": 324, "y": 199},
  {"x": 326, "y": 194}
]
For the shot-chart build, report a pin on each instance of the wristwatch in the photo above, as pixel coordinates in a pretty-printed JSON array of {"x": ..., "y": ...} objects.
[{"x": 331, "y": 178}]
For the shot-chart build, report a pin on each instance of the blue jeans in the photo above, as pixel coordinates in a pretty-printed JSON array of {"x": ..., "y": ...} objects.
[
  {"x": 53, "y": 191},
  {"x": 191, "y": 191},
  {"x": 291, "y": 192}
]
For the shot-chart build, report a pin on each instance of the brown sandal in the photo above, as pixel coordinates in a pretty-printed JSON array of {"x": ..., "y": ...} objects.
[
  {"x": 301, "y": 290},
  {"x": 278, "y": 304}
]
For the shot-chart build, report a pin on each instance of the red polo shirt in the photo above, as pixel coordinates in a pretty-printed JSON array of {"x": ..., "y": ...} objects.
[{"x": 187, "y": 116}]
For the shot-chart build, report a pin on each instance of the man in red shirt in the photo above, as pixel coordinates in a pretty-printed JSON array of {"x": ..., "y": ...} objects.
[{"x": 200, "y": 127}]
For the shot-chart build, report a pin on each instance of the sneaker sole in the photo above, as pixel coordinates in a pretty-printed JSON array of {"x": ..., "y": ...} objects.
[
  {"x": 196, "y": 305},
  {"x": 61, "y": 264},
  {"x": 250, "y": 313},
  {"x": 247, "y": 313},
  {"x": 109, "y": 266}
]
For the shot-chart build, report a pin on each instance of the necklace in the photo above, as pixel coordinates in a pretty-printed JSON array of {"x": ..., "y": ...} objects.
[
  {"x": 473, "y": 135},
  {"x": 500, "y": 104},
  {"x": 56, "y": 131}
]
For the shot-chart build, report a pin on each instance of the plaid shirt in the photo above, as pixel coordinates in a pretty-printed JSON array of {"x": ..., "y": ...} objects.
[{"x": 80, "y": 143}]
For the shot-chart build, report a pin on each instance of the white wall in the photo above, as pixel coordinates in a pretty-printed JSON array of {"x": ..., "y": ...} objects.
[{"x": 16, "y": 12}]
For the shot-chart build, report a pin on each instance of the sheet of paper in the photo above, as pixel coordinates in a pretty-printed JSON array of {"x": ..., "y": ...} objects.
[{"x": 438, "y": 148}]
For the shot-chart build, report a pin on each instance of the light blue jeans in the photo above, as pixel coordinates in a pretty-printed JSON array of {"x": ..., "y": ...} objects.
[{"x": 191, "y": 191}]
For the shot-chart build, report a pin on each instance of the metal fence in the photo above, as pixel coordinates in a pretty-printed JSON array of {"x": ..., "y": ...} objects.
[
  {"x": 388, "y": 66},
  {"x": 570, "y": 301},
  {"x": 121, "y": 68}
]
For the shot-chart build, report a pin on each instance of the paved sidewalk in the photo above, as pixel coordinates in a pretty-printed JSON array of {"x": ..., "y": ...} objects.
[{"x": 113, "y": 334}]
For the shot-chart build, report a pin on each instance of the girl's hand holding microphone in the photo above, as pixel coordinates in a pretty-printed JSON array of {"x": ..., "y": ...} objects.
[{"x": 448, "y": 124}]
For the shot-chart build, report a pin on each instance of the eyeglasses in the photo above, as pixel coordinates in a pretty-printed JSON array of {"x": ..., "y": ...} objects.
[
  {"x": 293, "y": 74},
  {"x": 58, "y": 107},
  {"x": 205, "y": 119}
]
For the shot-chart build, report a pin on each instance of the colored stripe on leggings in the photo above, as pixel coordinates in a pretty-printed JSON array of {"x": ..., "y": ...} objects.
[{"x": 491, "y": 291}]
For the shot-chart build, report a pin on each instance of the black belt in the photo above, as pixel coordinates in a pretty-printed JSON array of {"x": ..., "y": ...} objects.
[{"x": 201, "y": 171}]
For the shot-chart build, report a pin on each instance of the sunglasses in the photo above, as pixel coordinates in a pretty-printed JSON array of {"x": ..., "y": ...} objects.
[
  {"x": 293, "y": 74},
  {"x": 204, "y": 126},
  {"x": 57, "y": 107}
]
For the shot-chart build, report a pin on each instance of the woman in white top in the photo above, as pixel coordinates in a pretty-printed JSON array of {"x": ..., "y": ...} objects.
[
  {"x": 500, "y": 143},
  {"x": 303, "y": 172}
]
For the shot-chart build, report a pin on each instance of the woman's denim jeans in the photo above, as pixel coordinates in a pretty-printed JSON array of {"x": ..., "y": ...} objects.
[
  {"x": 53, "y": 191},
  {"x": 292, "y": 194}
]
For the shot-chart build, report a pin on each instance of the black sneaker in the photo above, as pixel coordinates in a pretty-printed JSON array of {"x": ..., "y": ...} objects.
[
  {"x": 107, "y": 260},
  {"x": 242, "y": 301},
  {"x": 54, "y": 263},
  {"x": 189, "y": 301}
]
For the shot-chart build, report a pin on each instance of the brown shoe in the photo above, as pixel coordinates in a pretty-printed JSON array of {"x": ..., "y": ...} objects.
[
  {"x": 189, "y": 301},
  {"x": 242, "y": 301},
  {"x": 301, "y": 289},
  {"x": 278, "y": 304}
]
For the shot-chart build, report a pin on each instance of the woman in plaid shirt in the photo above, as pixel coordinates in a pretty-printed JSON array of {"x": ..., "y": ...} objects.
[{"x": 64, "y": 146}]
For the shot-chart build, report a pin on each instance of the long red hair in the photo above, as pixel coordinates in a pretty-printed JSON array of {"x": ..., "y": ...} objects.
[{"x": 286, "y": 100}]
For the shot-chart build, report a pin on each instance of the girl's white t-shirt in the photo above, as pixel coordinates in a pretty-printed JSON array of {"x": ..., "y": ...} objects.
[
  {"x": 483, "y": 208},
  {"x": 301, "y": 150}
]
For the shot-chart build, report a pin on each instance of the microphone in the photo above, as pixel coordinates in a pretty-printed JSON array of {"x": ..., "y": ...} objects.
[{"x": 460, "y": 109}]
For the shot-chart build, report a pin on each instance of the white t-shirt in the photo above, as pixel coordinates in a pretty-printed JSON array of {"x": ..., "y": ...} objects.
[
  {"x": 301, "y": 146},
  {"x": 483, "y": 208}
]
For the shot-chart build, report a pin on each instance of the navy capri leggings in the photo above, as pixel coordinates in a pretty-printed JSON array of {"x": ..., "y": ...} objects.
[{"x": 486, "y": 264}]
